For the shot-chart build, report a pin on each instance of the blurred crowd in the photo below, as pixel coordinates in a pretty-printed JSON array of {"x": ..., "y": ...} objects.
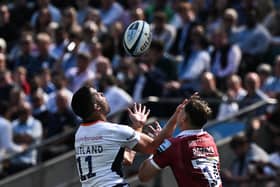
[{"x": 229, "y": 51}]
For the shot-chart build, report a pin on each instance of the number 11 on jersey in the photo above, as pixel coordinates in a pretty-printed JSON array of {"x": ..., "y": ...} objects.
[{"x": 90, "y": 173}]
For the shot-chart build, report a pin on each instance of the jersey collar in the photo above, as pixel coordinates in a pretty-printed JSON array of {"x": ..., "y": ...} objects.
[
  {"x": 90, "y": 123},
  {"x": 191, "y": 132}
]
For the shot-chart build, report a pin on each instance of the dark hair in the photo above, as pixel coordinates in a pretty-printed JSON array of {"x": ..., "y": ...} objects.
[
  {"x": 3, "y": 107},
  {"x": 82, "y": 102},
  {"x": 160, "y": 16},
  {"x": 157, "y": 45},
  {"x": 237, "y": 141},
  {"x": 198, "y": 111}
]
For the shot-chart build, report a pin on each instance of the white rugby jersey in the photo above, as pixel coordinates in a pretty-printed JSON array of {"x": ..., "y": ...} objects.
[{"x": 99, "y": 150}]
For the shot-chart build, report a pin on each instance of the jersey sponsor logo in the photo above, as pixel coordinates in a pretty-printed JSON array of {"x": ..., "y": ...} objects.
[
  {"x": 164, "y": 146},
  {"x": 203, "y": 151},
  {"x": 88, "y": 150},
  {"x": 197, "y": 142},
  {"x": 86, "y": 138}
]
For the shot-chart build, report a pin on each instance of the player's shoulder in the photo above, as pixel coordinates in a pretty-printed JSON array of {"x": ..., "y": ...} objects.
[{"x": 166, "y": 145}]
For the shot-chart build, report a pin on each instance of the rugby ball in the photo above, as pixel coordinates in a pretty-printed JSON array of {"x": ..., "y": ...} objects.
[{"x": 137, "y": 38}]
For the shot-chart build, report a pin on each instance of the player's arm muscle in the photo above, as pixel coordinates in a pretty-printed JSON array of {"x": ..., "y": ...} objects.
[{"x": 147, "y": 171}]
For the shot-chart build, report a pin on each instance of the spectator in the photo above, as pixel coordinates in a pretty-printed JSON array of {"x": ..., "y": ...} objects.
[
  {"x": 133, "y": 11},
  {"x": 149, "y": 82},
  {"x": 7, "y": 145},
  {"x": 6, "y": 84},
  {"x": 83, "y": 9},
  {"x": 117, "y": 98},
  {"x": 117, "y": 30},
  {"x": 44, "y": 59},
  {"x": 158, "y": 5},
  {"x": 246, "y": 155},
  {"x": 89, "y": 34},
  {"x": 69, "y": 19},
  {"x": 253, "y": 41},
  {"x": 162, "y": 61},
  {"x": 60, "y": 42},
  {"x": 43, "y": 22},
  {"x": 111, "y": 11},
  {"x": 103, "y": 67},
  {"x": 54, "y": 12},
  {"x": 95, "y": 49},
  {"x": 63, "y": 118},
  {"x": 265, "y": 72},
  {"x": 68, "y": 59},
  {"x": 136, "y": 14},
  {"x": 60, "y": 83},
  {"x": 234, "y": 85},
  {"x": 8, "y": 29},
  {"x": 230, "y": 19},
  {"x": 254, "y": 94},
  {"x": 20, "y": 79},
  {"x": 94, "y": 15},
  {"x": 21, "y": 13},
  {"x": 210, "y": 92},
  {"x": 26, "y": 57},
  {"x": 225, "y": 58},
  {"x": 126, "y": 74},
  {"x": 17, "y": 98},
  {"x": 176, "y": 20},
  {"x": 271, "y": 21},
  {"x": 228, "y": 106},
  {"x": 182, "y": 41},
  {"x": 46, "y": 81},
  {"x": 61, "y": 121},
  {"x": 26, "y": 130},
  {"x": 273, "y": 87},
  {"x": 271, "y": 120},
  {"x": 40, "y": 110},
  {"x": 80, "y": 75},
  {"x": 227, "y": 22},
  {"x": 271, "y": 168},
  {"x": 162, "y": 31},
  {"x": 196, "y": 61}
]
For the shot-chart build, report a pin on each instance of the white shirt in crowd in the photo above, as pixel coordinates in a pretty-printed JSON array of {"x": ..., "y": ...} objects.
[
  {"x": 7, "y": 146},
  {"x": 76, "y": 80},
  {"x": 51, "y": 103},
  {"x": 117, "y": 99},
  {"x": 233, "y": 59},
  {"x": 32, "y": 127}
]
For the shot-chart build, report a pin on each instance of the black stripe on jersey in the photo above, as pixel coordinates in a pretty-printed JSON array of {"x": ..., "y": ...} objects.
[
  {"x": 117, "y": 164},
  {"x": 122, "y": 185}
]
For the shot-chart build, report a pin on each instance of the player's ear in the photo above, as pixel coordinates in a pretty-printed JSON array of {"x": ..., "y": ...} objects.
[{"x": 187, "y": 117}]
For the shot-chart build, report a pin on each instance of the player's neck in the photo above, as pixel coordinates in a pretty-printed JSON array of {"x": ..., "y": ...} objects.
[{"x": 95, "y": 118}]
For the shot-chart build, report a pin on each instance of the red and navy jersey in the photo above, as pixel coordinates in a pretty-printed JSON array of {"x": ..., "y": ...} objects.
[{"x": 193, "y": 158}]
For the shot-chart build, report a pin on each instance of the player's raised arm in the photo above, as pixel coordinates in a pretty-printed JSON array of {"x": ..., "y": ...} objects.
[{"x": 147, "y": 144}]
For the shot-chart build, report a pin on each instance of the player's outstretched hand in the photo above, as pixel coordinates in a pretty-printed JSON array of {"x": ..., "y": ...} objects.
[
  {"x": 153, "y": 130},
  {"x": 138, "y": 115}
]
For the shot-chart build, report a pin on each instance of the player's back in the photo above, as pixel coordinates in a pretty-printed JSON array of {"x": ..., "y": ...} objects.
[
  {"x": 99, "y": 153},
  {"x": 194, "y": 160}
]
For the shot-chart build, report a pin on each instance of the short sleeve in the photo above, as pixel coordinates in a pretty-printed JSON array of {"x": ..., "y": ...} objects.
[
  {"x": 125, "y": 136},
  {"x": 163, "y": 156}
]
